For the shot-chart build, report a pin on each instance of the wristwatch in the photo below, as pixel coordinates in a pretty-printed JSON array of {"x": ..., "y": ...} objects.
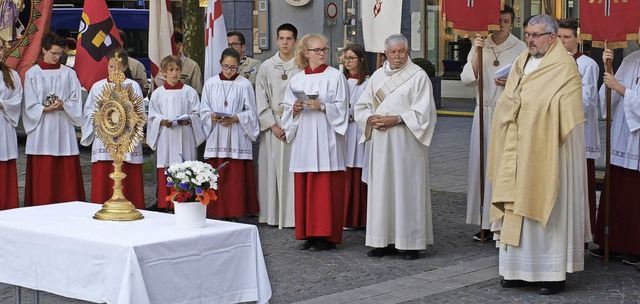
[
  {"x": 400, "y": 121},
  {"x": 322, "y": 107}
]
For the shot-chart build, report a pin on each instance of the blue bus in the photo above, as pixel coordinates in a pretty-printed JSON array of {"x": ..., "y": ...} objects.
[{"x": 134, "y": 22}]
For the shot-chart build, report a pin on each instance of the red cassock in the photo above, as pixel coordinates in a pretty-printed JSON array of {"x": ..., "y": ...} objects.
[
  {"x": 102, "y": 184},
  {"x": 9, "y": 185},
  {"x": 319, "y": 205},
  {"x": 624, "y": 208},
  {"x": 53, "y": 179},
  {"x": 236, "y": 192},
  {"x": 355, "y": 199}
]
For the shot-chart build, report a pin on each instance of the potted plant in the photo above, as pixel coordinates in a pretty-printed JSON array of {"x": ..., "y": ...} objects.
[
  {"x": 436, "y": 81},
  {"x": 192, "y": 189}
]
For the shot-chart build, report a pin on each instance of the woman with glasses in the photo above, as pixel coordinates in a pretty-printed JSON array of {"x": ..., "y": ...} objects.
[
  {"x": 52, "y": 110},
  {"x": 230, "y": 121},
  {"x": 10, "y": 105},
  {"x": 355, "y": 205},
  {"x": 315, "y": 120}
]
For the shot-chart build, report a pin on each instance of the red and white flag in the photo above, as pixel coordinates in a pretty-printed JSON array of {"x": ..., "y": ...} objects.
[
  {"x": 380, "y": 19},
  {"x": 161, "y": 40},
  {"x": 614, "y": 22},
  {"x": 98, "y": 34},
  {"x": 25, "y": 54},
  {"x": 215, "y": 40}
]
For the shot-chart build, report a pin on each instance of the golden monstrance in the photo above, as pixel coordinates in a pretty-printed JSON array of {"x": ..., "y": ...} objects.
[{"x": 119, "y": 121}]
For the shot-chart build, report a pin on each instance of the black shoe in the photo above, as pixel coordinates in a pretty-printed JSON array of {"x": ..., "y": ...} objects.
[
  {"x": 599, "y": 253},
  {"x": 322, "y": 244},
  {"x": 411, "y": 255},
  {"x": 513, "y": 283},
  {"x": 551, "y": 288},
  {"x": 380, "y": 252},
  {"x": 153, "y": 207},
  {"x": 306, "y": 245},
  {"x": 488, "y": 236},
  {"x": 631, "y": 259}
]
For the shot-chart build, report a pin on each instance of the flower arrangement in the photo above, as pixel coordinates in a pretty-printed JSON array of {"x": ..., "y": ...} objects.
[{"x": 192, "y": 180}]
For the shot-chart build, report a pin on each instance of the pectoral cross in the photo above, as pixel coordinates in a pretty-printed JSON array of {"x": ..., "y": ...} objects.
[{"x": 470, "y": 3}]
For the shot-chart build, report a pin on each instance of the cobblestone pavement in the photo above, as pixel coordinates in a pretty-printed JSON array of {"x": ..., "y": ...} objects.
[{"x": 454, "y": 270}]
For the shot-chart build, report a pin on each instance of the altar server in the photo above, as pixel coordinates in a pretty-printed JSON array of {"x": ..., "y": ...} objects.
[
  {"x": 52, "y": 110},
  {"x": 101, "y": 161},
  {"x": 10, "y": 105},
  {"x": 174, "y": 129},
  {"x": 315, "y": 118},
  {"x": 229, "y": 117}
]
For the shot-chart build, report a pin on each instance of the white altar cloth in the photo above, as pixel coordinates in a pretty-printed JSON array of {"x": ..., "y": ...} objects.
[{"x": 61, "y": 249}]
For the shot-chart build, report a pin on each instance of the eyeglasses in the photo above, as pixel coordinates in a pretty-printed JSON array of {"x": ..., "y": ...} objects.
[
  {"x": 535, "y": 35},
  {"x": 235, "y": 44},
  {"x": 319, "y": 51},
  {"x": 227, "y": 67},
  {"x": 56, "y": 54},
  {"x": 349, "y": 59}
]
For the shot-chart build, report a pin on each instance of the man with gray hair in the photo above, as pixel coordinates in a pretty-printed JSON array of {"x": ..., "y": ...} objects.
[
  {"x": 537, "y": 165},
  {"x": 398, "y": 115}
]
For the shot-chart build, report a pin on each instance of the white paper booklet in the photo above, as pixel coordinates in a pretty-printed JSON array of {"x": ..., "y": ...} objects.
[{"x": 504, "y": 71}]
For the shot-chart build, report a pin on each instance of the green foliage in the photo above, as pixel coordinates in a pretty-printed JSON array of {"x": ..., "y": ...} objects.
[{"x": 426, "y": 65}]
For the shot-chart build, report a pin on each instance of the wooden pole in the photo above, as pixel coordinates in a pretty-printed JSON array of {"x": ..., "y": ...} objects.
[
  {"x": 481, "y": 129},
  {"x": 607, "y": 175}
]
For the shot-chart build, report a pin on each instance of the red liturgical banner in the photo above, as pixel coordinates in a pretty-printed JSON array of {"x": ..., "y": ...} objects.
[{"x": 614, "y": 21}]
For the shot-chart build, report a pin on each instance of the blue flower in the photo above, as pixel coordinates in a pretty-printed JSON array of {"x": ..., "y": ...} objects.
[
  {"x": 169, "y": 184},
  {"x": 183, "y": 186},
  {"x": 199, "y": 191}
]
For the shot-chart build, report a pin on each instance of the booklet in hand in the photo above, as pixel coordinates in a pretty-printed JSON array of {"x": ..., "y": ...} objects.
[
  {"x": 222, "y": 114},
  {"x": 504, "y": 71},
  {"x": 301, "y": 95},
  {"x": 304, "y": 97},
  {"x": 176, "y": 120}
]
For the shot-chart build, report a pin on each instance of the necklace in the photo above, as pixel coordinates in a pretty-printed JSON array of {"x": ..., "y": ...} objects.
[
  {"x": 284, "y": 72},
  {"x": 226, "y": 93},
  {"x": 495, "y": 62}
]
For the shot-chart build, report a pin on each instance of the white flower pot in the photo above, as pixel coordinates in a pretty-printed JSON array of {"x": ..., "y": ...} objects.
[{"x": 190, "y": 215}]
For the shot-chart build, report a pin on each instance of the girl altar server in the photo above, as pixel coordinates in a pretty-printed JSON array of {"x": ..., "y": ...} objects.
[
  {"x": 10, "y": 105},
  {"x": 315, "y": 118},
  {"x": 229, "y": 116},
  {"x": 355, "y": 205}
]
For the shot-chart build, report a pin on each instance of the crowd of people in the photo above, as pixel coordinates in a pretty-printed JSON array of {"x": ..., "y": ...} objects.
[{"x": 340, "y": 150}]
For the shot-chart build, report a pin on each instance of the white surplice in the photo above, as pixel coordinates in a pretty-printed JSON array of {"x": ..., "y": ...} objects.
[
  {"x": 589, "y": 70},
  {"x": 354, "y": 155},
  {"x": 506, "y": 53},
  {"x": 11, "y": 100},
  {"x": 547, "y": 254},
  {"x": 275, "y": 193},
  {"x": 235, "y": 140},
  {"x": 625, "y": 137},
  {"x": 51, "y": 133},
  {"x": 98, "y": 150},
  {"x": 318, "y": 137},
  {"x": 399, "y": 194},
  {"x": 174, "y": 144}
]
